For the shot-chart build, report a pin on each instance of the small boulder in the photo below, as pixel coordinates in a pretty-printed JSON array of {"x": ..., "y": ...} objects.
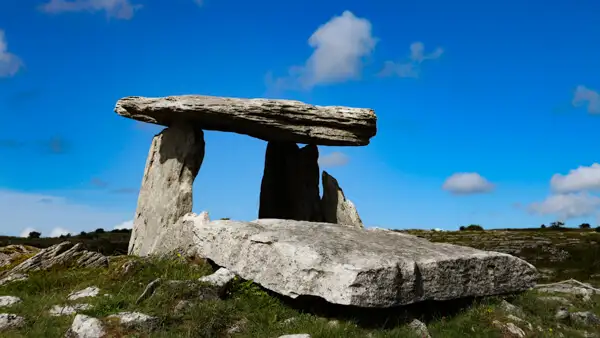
[
  {"x": 86, "y": 327},
  {"x": 220, "y": 279},
  {"x": 10, "y": 321},
  {"x": 135, "y": 319},
  {"x": 419, "y": 328},
  {"x": 67, "y": 310},
  {"x": 91, "y": 291},
  {"x": 15, "y": 277},
  {"x": 9, "y": 301},
  {"x": 585, "y": 318}
]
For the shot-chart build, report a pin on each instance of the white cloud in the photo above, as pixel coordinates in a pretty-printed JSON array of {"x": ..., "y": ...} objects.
[
  {"x": 585, "y": 96},
  {"x": 45, "y": 213},
  {"x": 580, "y": 179},
  {"x": 340, "y": 48},
  {"x": 412, "y": 66},
  {"x": 124, "y": 225},
  {"x": 9, "y": 63},
  {"x": 57, "y": 232},
  {"x": 334, "y": 159},
  {"x": 25, "y": 232},
  {"x": 119, "y": 9},
  {"x": 467, "y": 183},
  {"x": 567, "y": 206}
]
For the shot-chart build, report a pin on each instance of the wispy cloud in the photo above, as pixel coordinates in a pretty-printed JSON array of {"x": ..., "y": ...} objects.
[
  {"x": 118, "y": 9},
  {"x": 340, "y": 47},
  {"x": 98, "y": 183},
  {"x": 587, "y": 97},
  {"x": 411, "y": 67},
  {"x": 467, "y": 183},
  {"x": 10, "y": 64}
]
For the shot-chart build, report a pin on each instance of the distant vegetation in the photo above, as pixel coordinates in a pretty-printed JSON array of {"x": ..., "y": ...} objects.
[{"x": 472, "y": 227}]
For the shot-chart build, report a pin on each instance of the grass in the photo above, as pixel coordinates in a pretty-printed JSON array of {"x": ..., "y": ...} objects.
[{"x": 257, "y": 312}]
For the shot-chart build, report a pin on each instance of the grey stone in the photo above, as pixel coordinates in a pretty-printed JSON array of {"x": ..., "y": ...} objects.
[
  {"x": 585, "y": 318},
  {"x": 174, "y": 160},
  {"x": 220, "y": 279},
  {"x": 135, "y": 319},
  {"x": 555, "y": 299},
  {"x": 86, "y": 327},
  {"x": 269, "y": 120},
  {"x": 353, "y": 266},
  {"x": 510, "y": 308},
  {"x": 90, "y": 291},
  {"x": 290, "y": 184},
  {"x": 9, "y": 253},
  {"x": 570, "y": 286},
  {"x": 67, "y": 310},
  {"x": 62, "y": 254},
  {"x": 6, "y": 301},
  {"x": 419, "y": 328},
  {"x": 10, "y": 321},
  {"x": 335, "y": 207},
  {"x": 561, "y": 314},
  {"x": 15, "y": 277}
]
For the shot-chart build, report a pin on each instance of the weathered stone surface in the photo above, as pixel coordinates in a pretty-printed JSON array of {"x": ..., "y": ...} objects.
[
  {"x": 10, "y": 253},
  {"x": 334, "y": 205},
  {"x": 219, "y": 280},
  {"x": 62, "y": 254},
  {"x": 290, "y": 183},
  {"x": 570, "y": 286},
  {"x": 10, "y": 321},
  {"x": 9, "y": 301},
  {"x": 177, "y": 238},
  {"x": 269, "y": 120},
  {"x": 15, "y": 277},
  {"x": 86, "y": 327},
  {"x": 67, "y": 310},
  {"x": 353, "y": 266},
  {"x": 173, "y": 162},
  {"x": 135, "y": 319},
  {"x": 90, "y": 291}
]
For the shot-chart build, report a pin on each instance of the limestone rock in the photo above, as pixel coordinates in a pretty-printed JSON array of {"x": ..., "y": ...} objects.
[
  {"x": 9, "y": 301},
  {"x": 334, "y": 205},
  {"x": 585, "y": 318},
  {"x": 570, "y": 286},
  {"x": 510, "y": 328},
  {"x": 290, "y": 183},
  {"x": 269, "y": 120},
  {"x": 67, "y": 310},
  {"x": 10, "y": 321},
  {"x": 352, "y": 266},
  {"x": 86, "y": 327},
  {"x": 173, "y": 162},
  {"x": 10, "y": 253},
  {"x": 62, "y": 254},
  {"x": 419, "y": 328},
  {"x": 91, "y": 291},
  {"x": 15, "y": 277},
  {"x": 135, "y": 319},
  {"x": 219, "y": 280}
]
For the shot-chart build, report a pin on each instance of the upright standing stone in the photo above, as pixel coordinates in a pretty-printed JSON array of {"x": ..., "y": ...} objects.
[
  {"x": 173, "y": 162},
  {"x": 290, "y": 184},
  {"x": 334, "y": 205}
]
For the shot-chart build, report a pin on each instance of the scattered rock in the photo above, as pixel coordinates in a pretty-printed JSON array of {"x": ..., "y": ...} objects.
[
  {"x": 238, "y": 326},
  {"x": 585, "y": 318},
  {"x": 67, "y": 310},
  {"x": 336, "y": 208},
  {"x": 561, "y": 314},
  {"x": 353, "y": 266},
  {"x": 220, "y": 279},
  {"x": 9, "y": 301},
  {"x": 90, "y": 291},
  {"x": 62, "y": 254},
  {"x": 510, "y": 328},
  {"x": 135, "y": 319},
  {"x": 10, "y": 321},
  {"x": 571, "y": 286},
  {"x": 11, "y": 253},
  {"x": 269, "y": 120},
  {"x": 173, "y": 162},
  {"x": 85, "y": 327},
  {"x": 555, "y": 299},
  {"x": 419, "y": 328},
  {"x": 149, "y": 290},
  {"x": 15, "y": 277},
  {"x": 519, "y": 320}
]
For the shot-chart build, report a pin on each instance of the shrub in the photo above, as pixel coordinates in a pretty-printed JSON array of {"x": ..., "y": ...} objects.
[
  {"x": 35, "y": 234},
  {"x": 99, "y": 231},
  {"x": 543, "y": 226},
  {"x": 462, "y": 228},
  {"x": 475, "y": 227},
  {"x": 557, "y": 225},
  {"x": 597, "y": 229},
  {"x": 584, "y": 226}
]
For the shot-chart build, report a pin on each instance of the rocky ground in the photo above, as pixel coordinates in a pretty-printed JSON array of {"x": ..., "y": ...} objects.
[{"x": 68, "y": 291}]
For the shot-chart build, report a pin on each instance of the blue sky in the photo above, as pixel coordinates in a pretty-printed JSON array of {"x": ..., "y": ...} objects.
[{"x": 487, "y": 111}]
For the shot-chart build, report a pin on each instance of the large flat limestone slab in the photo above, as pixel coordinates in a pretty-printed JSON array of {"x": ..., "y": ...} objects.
[
  {"x": 269, "y": 120},
  {"x": 354, "y": 266}
]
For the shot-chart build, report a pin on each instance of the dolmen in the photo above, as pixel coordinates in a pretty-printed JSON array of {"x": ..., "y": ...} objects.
[{"x": 302, "y": 244}]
